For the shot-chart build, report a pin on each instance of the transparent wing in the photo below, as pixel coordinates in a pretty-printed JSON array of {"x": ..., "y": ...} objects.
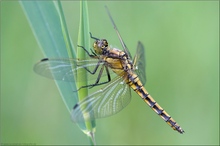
[
  {"x": 119, "y": 36},
  {"x": 140, "y": 62},
  {"x": 66, "y": 69},
  {"x": 104, "y": 102}
]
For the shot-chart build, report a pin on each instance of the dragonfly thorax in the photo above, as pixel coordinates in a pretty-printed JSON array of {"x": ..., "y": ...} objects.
[{"x": 100, "y": 46}]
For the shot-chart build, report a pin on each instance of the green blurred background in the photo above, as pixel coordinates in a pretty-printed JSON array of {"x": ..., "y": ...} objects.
[{"x": 182, "y": 49}]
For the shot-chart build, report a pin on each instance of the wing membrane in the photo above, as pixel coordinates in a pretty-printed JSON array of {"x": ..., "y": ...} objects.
[
  {"x": 140, "y": 62},
  {"x": 119, "y": 36},
  {"x": 105, "y": 102},
  {"x": 66, "y": 69}
]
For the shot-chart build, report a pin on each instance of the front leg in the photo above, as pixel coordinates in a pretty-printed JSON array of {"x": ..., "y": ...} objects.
[{"x": 93, "y": 55}]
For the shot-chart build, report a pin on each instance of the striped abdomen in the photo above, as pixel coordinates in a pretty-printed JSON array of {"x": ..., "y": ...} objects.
[{"x": 137, "y": 86}]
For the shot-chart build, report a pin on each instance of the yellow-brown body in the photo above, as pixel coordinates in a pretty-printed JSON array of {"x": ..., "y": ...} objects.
[{"x": 119, "y": 62}]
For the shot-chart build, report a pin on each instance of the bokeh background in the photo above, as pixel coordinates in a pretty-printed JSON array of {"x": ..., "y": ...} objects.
[{"x": 181, "y": 39}]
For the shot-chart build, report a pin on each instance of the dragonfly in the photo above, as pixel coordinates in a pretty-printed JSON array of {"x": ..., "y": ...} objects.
[{"x": 121, "y": 72}]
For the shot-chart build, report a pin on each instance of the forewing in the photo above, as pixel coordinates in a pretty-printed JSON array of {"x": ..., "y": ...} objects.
[
  {"x": 140, "y": 62},
  {"x": 66, "y": 69},
  {"x": 104, "y": 102},
  {"x": 119, "y": 36}
]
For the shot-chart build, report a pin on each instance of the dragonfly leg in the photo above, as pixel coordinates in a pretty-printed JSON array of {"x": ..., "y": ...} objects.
[
  {"x": 93, "y": 36},
  {"x": 93, "y": 55},
  {"x": 98, "y": 79},
  {"x": 100, "y": 75},
  {"x": 95, "y": 69}
]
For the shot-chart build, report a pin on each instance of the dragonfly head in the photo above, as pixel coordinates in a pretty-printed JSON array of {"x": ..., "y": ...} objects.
[{"x": 100, "y": 46}]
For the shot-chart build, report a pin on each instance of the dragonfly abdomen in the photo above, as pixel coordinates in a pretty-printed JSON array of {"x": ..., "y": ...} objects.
[{"x": 137, "y": 86}]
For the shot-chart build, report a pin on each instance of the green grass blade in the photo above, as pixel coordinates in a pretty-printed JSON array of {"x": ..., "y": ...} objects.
[
  {"x": 69, "y": 46},
  {"x": 50, "y": 30},
  {"x": 84, "y": 40}
]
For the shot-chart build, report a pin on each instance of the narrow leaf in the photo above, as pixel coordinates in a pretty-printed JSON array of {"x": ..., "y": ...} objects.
[
  {"x": 84, "y": 40},
  {"x": 49, "y": 27}
]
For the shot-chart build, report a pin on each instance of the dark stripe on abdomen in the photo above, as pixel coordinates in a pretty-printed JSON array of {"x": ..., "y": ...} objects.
[{"x": 158, "y": 109}]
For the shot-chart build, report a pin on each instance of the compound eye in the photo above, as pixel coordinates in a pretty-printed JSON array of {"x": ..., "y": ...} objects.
[
  {"x": 103, "y": 46},
  {"x": 105, "y": 43},
  {"x": 95, "y": 44}
]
